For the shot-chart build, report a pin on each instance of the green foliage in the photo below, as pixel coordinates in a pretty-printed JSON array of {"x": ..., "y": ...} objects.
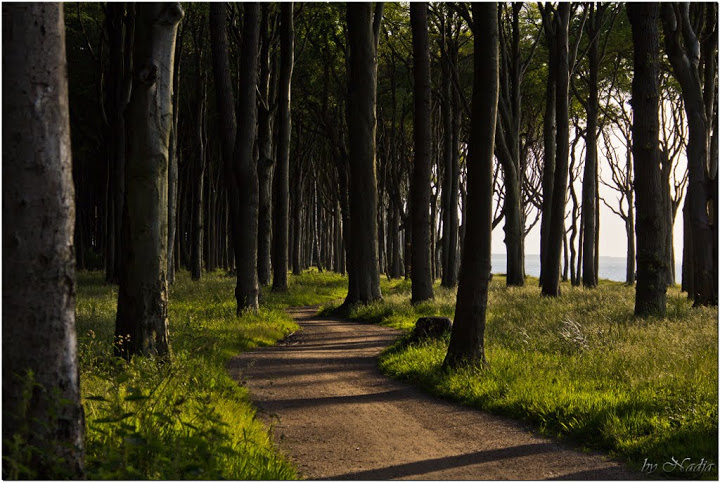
[
  {"x": 186, "y": 419},
  {"x": 579, "y": 367}
]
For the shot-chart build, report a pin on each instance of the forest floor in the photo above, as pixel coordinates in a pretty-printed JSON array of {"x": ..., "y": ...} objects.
[{"x": 338, "y": 417}]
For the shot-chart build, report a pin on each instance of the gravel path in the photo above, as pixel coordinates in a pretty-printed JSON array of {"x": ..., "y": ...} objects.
[{"x": 338, "y": 417}]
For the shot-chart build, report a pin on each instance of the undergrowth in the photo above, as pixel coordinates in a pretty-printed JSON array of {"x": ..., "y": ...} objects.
[
  {"x": 186, "y": 419},
  {"x": 579, "y": 367}
]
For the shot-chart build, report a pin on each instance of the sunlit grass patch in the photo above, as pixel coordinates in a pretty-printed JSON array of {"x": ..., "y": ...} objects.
[
  {"x": 186, "y": 419},
  {"x": 579, "y": 367}
]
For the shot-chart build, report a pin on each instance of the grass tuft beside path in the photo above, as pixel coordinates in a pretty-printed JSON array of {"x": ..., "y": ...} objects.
[
  {"x": 186, "y": 419},
  {"x": 579, "y": 367}
]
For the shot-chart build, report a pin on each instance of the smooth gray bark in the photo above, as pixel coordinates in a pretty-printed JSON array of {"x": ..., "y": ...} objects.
[
  {"x": 40, "y": 388},
  {"x": 141, "y": 326}
]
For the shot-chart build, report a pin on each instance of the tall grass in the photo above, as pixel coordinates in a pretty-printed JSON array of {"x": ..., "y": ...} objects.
[
  {"x": 186, "y": 419},
  {"x": 578, "y": 367}
]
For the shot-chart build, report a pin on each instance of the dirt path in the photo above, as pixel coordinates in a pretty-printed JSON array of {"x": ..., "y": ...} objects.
[{"x": 339, "y": 418}]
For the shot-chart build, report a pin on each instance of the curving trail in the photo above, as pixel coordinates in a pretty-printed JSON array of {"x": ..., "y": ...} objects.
[{"x": 338, "y": 417}]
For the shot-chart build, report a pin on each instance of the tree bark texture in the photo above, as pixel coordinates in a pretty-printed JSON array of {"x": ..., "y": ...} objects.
[
  {"x": 265, "y": 150},
  {"x": 452, "y": 171},
  {"x": 363, "y": 272},
  {"x": 651, "y": 276},
  {"x": 226, "y": 115},
  {"x": 422, "y": 279},
  {"x": 507, "y": 148},
  {"x": 244, "y": 165},
  {"x": 40, "y": 371},
  {"x": 468, "y": 331},
  {"x": 556, "y": 228},
  {"x": 282, "y": 171},
  {"x": 590, "y": 174},
  {"x": 141, "y": 326},
  {"x": 683, "y": 49},
  {"x": 173, "y": 164},
  {"x": 549, "y": 132}
]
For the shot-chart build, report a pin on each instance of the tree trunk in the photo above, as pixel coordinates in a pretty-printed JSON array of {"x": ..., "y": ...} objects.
[
  {"x": 297, "y": 222},
  {"x": 282, "y": 173},
  {"x": 364, "y": 276},
  {"x": 651, "y": 277},
  {"x": 227, "y": 123},
  {"x": 198, "y": 177},
  {"x": 551, "y": 273},
  {"x": 422, "y": 288},
  {"x": 452, "y": 174},
  {"x": 40, "y": 389},
  {"x": 467, "y": 339},
  {"x": 142, "y": 324},
  {"x": 173, "y": 163},
  {"x": 591, "y": 164},
  {"x": 683, "y": 47},
  {"x": 549, "y": 130},
  {"x": 265, "y": 159}
]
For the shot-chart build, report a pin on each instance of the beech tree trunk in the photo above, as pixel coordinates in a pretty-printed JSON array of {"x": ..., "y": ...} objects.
[
  {"x": 422, "y": 279},
  {"x": 651, "y": 277},
  {"x": 683, "y": 49},
  {"x": 556, "y": 228},
  {"x": 590, "y": 175},
  {"x": 549, "y": 131},
  {"x": 40, "y": 388},
  {"x": 452, "y": 171},
  {"x": 467, "y": 339},
  {"x": 174, "y": 162},
  {"x": 199, "y": 162},
  {"x": 142, "y": 324},
  {"x": 266, "y": 158},
  {"x": 226, "y": 114},
  {"x": 363, "y": 272},
  {"x": 244, "y": 165},
  {"x": 282, "y": 172}
]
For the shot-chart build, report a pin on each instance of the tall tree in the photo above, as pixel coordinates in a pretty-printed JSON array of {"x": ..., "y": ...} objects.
[
  {"x": 199, "y": 156},
  {"x": 556, "y": 229},
  {"x": 420, "y": 189},
  {"x": 174, "y": 160},
  {"x": 363, "y": 270},
  {"x": 651, "y": 277},
  {"x": 693, "y": 59},
  {"x": 40, "y": 389},
  {"x": 244, "y": 165},
  {"x": 450, "y": 118},
  {"x": 237, "y": 141},
  {"x": 142, "y": 323},
  {"x": 594, "y": 25},
  {"x": 226, "y": 108},
  {"x": 266, "y": 159},
  {"x": 120, "y": 25},
  {"x": 467, "y": 339},
  {"x": 282, "y": 172},
  {"x": 549, "y": 129},
  {"x": 507, "y": 146}
]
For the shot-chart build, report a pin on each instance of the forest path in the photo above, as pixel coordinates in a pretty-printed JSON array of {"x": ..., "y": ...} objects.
[{"x": 338, "y": 417}]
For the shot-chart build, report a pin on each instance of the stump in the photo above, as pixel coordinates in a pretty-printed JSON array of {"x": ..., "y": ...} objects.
[{"x": 431, "y": 327}]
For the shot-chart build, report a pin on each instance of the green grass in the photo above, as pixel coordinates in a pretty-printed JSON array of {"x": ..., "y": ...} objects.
[
  {"x": 579, "y": 367},
  {"x": 186, "y": 419}
]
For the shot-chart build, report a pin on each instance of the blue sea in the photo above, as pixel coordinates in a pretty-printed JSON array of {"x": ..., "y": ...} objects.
[{"x": 610, "y": 267}]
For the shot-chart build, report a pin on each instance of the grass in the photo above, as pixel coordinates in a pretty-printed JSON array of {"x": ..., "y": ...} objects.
[
  {"x": 578, "y": 368},
  {"x": 186, "y": 419}
]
